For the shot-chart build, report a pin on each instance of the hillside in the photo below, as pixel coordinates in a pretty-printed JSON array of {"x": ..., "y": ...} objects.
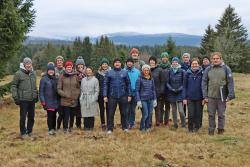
[{"x": 162, "y": 147}]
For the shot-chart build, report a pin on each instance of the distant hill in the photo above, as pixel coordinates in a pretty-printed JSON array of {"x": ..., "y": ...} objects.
[{"x": 129, "y": 38}]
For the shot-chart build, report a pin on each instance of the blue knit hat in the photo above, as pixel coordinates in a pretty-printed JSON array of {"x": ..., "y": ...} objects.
[
  {"x": 50, "y": 66},
  {"x": 175, "y": 59}
]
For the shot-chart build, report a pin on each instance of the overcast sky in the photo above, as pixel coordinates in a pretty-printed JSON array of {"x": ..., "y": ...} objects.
[{"x": 70, "y": 18}]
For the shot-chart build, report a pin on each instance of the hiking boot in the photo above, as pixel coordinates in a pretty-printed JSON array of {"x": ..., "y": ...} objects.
[
  {"x": 109, "y": 132},
  {"x": 210, "y": 133},
  {"x": 125, "y": 130},
  {"x": 220, "y": 131},
  {"x": 51, "y": 132}
]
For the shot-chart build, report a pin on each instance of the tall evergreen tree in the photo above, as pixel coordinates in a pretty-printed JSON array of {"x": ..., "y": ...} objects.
[
  {"x": 87, "y": 50},
  {"x": 171, "y": 47},
  {"x": 207, "y": 42},
  {"x": 231, "y": 40}
]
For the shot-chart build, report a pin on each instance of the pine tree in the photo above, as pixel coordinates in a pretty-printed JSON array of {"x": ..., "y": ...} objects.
[
  {"x": 207, "y": 42},
  {"x": 171, "y": 47},
  {"x": 87, "y": 49},
  {"x": 231, "y": 40}
]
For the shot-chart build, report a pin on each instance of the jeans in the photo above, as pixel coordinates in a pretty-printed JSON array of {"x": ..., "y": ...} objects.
[
  {"x": 112, "y": 104},
  {"x": 131, "y": 112},
  {"x": 179, "y": 106},
  {"x": 213, "y": 106},
  {"x": 194, "y": 114},
  {"x": 147, "y": 108},
  {"x": 27, "y": 109},
  {"x": 51, "y": 119},
  {"x": 103, "y": 110}
]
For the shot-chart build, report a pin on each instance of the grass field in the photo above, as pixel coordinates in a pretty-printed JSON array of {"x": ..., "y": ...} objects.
[{"x": 163, "y": 147}]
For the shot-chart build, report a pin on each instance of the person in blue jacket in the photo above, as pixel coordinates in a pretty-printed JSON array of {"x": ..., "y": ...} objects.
[
  {"x": 193, "y": 95},
  {"x": 146, "y": 97},
  {"x": 175, "y": 88},
  {"x": 117, "y": 90},
  {"x": 133, "y": 74},
  {"x": 49, "y": 97}
]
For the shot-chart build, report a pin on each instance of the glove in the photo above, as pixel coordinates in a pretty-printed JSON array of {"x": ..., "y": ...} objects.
[
  {"x": 139, "y": 104},
  {"x": 154, "y": 103},
  {"x": 17, "y": 102}
]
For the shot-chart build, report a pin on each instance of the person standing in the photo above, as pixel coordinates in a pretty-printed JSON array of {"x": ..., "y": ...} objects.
[
  {"x": 146, "y": 97},
  {"x": 205, "y": 63},
  {"x": 25, "y": 94},
  {"x": 193, "y": 95},
  {"x": 218, "y": 89},
  {"x": 116, "y": 90},
  {"x": 103, "y": 106},
  {"x": 133, "y": 74},
  {"x": 69, "y": 89},
  {"x": 80, "y": 69},
  {"x": 175, "y": 86},
  {"x": 89, "y": 98},
  {"x": 156, "y": 75},
  {"x": 163, "y": 103},
  {"x": 134, "y": 53},
  {"x": 48, "y": 97}
]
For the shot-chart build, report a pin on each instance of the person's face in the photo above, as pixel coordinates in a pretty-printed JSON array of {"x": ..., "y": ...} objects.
[
  {"x": 164, "y": 59},
  {"x": 152, "y": 63},
  {"x": 216, "y": 60},
  {"x": 89, "y": 72},
  {"x": 185, "y": 59},
  {"x": 59, "y": 63},
  {"x": 69, "y": 69},
  {"x": 195, "y": 65},
  {"x": 146, "y": 71},
  {"x": 51, "y": 72},
  {"x": 80, "y": 67},
  {"x": 175, "y": 63},
  {"x": 28, "y": 66},
  {"x": 130, "y": 64},
  {"x": 117, "y": 64},
  {"x": 205, "y": 62},
  {"x": 135, "y": 55},
  {"x": 104, "y": 66}
]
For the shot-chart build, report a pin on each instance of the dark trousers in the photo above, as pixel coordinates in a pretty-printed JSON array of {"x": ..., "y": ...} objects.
[
  {"x": 165, "y": 109},
  {"x": 131, "y": 112},
  {"x": 78, "y": 115},
  {"x": 68, "y": 114},
  {"x": 60, "y": 116},
  {"x": 27, "y": 109},
  {"x": 103, "y": 110},
  {"x": 194, "y": 114},
  {"x": 51, "y": 120},
  {"x": 185, "y": 109},
  {"x": 112, "y": 104},
  {"x": 157, "y": 112},
  {"x": 89, "y": 122}
]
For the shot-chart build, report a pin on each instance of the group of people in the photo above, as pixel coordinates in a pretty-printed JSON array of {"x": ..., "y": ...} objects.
[{"x": 74, "y": 91}]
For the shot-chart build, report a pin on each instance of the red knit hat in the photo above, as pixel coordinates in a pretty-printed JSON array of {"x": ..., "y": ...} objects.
[
  {"x": 134, "y": 50},
  {"x": 68, "y": 63}
]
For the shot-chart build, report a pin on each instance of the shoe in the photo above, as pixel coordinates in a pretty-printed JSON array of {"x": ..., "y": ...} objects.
[
  {"x": 69, "y": 130},
  {"x": 210, "y": 133},
  {"x": 24, "y": 136},
  {"x": 125, "y": 130},
  {"x": 220, "y": 131},
  {"x": 109, "y": 132},
  {"x": 148, "y": 130},
  {"x": 51, "y": 132},
  {"x": 29, "y": 134}
]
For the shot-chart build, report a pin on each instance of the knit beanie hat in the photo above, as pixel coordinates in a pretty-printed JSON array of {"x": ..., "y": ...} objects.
[
  {"x": 145, "y": 66},
  {"x": 79, "y": 61},
  {"x": 117, "y": 59},
  {"x": 59, "y": 57},
  {"x": 175, "y": 59},
  {"x": 153, "y": 58},
  {"x": 130, "y": 59},
  {"x": 104, "y": 60},
  {"x": 186, "y": 54},
  {"x": 50, "y": 66},
  {"x": 164, "y": 54},
  {"x": 134, "y": 50},
  {"x": 68, "y": 63},
  {"x": 27, "y": 60}
]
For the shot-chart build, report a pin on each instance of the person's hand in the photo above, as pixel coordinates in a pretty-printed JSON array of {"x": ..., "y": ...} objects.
[
  {"x": 139, "y": 104},
  {"x": 205, "y": 100},
  {"x": 17, "y": 102},
  {"x": 129, "y": 98},
  {"x": 185, "y": 102},
  {"x": 105, "y": 99},
  {"x": 154, "y": 103}
]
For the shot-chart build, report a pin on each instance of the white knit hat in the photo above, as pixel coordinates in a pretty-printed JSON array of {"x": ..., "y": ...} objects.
[{"x": 145, "y": 66}]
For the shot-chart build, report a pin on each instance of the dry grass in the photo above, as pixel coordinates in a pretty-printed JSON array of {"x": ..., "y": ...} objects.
[{"x": 162, "y": 147}]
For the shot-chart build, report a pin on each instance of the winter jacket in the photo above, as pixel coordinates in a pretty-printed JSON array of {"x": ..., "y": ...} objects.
[
  {"x": 192, "y": 85},
  {"x": 69, "y": 89},
  {"x": 156, "y": 74},
  {"x": 100, "y": 75},
  {"x": 185, "y": 66},
  {"x": 23, "y": 87},
  {"x": 133, "y": 75},
  {"x": 48, "y": 92},
  {"x": 175, "y": 85},
  {"x": 89, "y": 96},
  {"x": 116, "y": 84},
  {"x": 164, "y": 76},
  {"x": 145, "y": 89},
  {"x": 217, "y": 82}
]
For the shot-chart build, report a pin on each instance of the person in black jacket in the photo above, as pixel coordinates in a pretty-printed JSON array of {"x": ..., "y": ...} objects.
[{"x": 100, "y": 75}]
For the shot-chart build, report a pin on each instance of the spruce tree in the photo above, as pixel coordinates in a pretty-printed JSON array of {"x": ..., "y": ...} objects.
[{"x": 207, "y": 42}]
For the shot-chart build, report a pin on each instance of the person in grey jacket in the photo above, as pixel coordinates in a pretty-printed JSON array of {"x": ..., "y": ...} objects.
[
  {"x": 218, "y": 89},
  {"x": 89, "y": 98}
]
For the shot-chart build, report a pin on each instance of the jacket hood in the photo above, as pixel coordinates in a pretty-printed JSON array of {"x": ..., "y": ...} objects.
[
  {"x": 21, "y": 66},
  {"x": 191, "y": 72}
]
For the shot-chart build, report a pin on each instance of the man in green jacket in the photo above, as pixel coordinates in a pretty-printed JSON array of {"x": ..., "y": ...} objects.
[
  {"x": 217, "y": 89},
  {"x": 25, "y": 94}
]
